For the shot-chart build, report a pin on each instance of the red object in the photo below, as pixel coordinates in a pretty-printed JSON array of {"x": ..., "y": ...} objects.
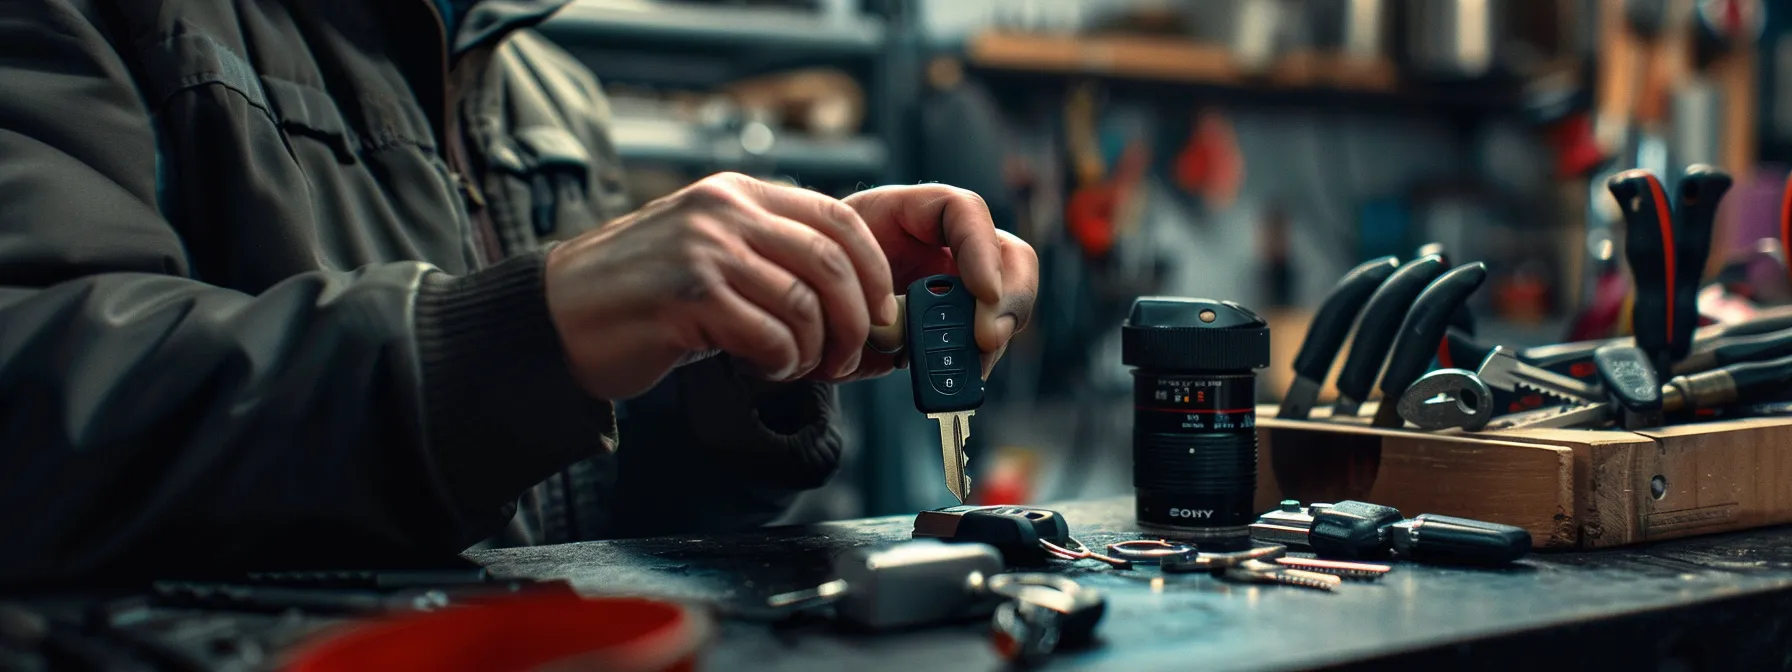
[
  {"x": 1664, "y": 218},
  {"x": 1786, "y": 225},
  {"x": 1577, "y": 152},
  {"x": 526, "y": 633}
]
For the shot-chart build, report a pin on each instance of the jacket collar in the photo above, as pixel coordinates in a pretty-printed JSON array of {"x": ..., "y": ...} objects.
[{"x": 485, "y": 22}]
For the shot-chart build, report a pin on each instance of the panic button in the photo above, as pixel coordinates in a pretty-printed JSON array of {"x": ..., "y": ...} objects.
[{"x": 945, "y": 339}]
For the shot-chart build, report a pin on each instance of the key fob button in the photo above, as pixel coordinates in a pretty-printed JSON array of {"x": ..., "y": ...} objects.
[
  {"x": 949, "y": 361},
  {"x": 943, "y": 315},
  {"x": 945, "y": 339},
  {"x": 950, "y": 383}
]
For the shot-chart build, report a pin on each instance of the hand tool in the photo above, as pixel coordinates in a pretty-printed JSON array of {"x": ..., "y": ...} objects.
[
  {"x": 1447, "y": 398},
  {"x": 1503, "y": 370},
  {"x": 1462, "y": 320},
  {"x": 1700, "y": 190},
  {"x": 1745, "y": 383},
  {"x": 1630, "y": 396},
  {"x": 1649, "y": 248},
  {"x": 1377, "y": 328},
  {"x": 1420, "y": 333},
  {"x": 1043, "y": 613},
  {"x": 1326, "y": 334},
  {"x": 1339, "y": 568},
  {"x": 911, "y": 583},
  {"x": 1360, "y": 530},
  {"x": 944, "y": 367}
]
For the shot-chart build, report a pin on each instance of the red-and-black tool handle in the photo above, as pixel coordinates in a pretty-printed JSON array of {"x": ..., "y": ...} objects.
[
  {"x": 1421, "y": 331},
  {"x": 1326, "y": 335},
  {"x": 1649, "y": 247},
  {"x": 1376, "y": 329},
  {"x": 1700, "y": 191}
]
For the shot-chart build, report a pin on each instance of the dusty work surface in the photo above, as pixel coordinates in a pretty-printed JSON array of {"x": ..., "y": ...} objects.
[{"x": 1721, "y": 601}]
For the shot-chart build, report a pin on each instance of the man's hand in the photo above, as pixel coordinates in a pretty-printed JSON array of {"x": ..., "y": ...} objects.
[
  {"x": 933, "y": 228},
  {"x": 785, "y": 279}
]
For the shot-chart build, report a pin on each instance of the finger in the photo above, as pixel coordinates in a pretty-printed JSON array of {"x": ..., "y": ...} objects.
[
  {"x": 888, "y": 340},
  {"x": 736, "y": 326},
  {"x": 844, "y": 225},
  {"x": 823, "y": 265},
  {"x": 786, "y": 297},
  {"x": 999, "y": 321},
  {"x": 939, "y": 216}
]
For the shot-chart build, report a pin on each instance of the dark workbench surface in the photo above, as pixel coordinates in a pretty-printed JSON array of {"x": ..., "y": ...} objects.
[{"x": 1720, "y": 601}]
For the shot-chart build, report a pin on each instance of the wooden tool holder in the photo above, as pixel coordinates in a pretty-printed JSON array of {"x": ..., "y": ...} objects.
[{"x": 1572, "y": 488}]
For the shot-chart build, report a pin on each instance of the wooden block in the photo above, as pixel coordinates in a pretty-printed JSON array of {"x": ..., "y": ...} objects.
[
  {"x": 1569, "y": 488},
  {"x": 1525, "y": 484}
]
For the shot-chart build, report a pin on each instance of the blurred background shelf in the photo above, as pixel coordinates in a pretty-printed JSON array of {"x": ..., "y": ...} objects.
[
  {"x": 1182, "y": 68},
  {"x": 678, "y": 24}
]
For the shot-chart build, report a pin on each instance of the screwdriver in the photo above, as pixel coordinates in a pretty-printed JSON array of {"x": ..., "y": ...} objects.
[
  {"x": 1745, "y": 383},
  {"x": 1376, "y": 330},
  {"x": 1326, "y": 335}
]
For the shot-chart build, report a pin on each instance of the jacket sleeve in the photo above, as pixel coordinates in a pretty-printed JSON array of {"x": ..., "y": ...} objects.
[{"x": 151, "y": 424}]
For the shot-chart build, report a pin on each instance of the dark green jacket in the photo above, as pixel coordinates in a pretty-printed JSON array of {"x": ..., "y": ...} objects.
[{"x": 270, "y": 296}]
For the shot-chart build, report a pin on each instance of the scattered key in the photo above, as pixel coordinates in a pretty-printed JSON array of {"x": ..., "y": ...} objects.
[
  {"x": 945, "y": 368},
  {"x": 912, "y": 583},
  {"x": 1021, "y": 533},
  {"x": 1338, "y": 568},
  {"x": 1217, "y": 563},
  {"x": 1258, "y": 571}
]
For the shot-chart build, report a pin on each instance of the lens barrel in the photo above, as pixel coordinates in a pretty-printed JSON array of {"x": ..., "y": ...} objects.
[{"x": 1194, "y": 414}]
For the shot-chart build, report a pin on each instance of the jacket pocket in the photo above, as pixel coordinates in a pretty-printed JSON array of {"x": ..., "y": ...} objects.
[
  {"x": 557, "y": 168},
  {"x": 308, "y": 111}
]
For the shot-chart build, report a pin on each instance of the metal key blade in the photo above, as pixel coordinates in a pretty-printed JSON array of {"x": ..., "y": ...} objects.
[
  {"x": 1504, "y": 370},
  {"x": 955, "y": 429}
]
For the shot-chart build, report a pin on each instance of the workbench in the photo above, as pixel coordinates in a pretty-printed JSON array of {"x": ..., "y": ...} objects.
[{"x": 1713, "y": 602}]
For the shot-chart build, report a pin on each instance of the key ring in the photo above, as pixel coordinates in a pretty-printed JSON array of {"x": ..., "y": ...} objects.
[
  {"x": 1050, "y": 591},
  {"x": 1081, "y": 552},
  {"x": 1149, "y": 551}
]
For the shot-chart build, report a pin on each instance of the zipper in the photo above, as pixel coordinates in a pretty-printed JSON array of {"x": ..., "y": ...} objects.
[{"x": 485, "y": 236}]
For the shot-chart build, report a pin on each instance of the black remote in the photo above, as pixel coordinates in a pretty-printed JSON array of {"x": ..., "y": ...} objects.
[{"x": 945, "y": 368}]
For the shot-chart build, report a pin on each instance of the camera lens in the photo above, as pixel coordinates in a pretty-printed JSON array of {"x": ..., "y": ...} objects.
[{"x": 1194, "y": 437}]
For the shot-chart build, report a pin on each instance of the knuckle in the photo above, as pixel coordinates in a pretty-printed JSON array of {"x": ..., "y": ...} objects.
[
  {"x": 831, "y": 257},
  {"x": 713, "y": 191},
  {"x": 803, "y": 302}
]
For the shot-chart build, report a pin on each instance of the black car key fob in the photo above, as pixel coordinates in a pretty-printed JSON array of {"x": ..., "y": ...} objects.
[
  {"x": 943, "y": 361},
  {"x": 1015, "y": 530}
]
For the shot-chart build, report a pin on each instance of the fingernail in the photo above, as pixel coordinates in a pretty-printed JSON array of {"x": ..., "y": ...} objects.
[{"x": 886, "y": 315}]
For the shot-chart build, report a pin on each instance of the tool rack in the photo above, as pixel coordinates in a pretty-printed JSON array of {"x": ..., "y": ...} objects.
[{"x": 1571, "y": 488}]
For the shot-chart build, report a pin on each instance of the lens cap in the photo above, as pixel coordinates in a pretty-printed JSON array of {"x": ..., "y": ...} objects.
[{"x": 1193, "y": 335}]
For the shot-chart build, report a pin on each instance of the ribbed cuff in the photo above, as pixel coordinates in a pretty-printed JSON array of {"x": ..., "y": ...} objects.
[
  {"x": 501, "y": 410},
  {"x": 773, "y": 434}
]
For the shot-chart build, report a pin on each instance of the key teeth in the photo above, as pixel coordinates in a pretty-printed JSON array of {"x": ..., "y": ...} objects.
[{"x": 1548, "y": 393}]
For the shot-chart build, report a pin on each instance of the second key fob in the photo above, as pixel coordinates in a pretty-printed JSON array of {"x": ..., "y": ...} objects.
[{"x": 944, "y": 365}]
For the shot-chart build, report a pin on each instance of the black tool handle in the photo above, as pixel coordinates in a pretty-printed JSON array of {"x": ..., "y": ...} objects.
[
  {"x": 1332, "y": 323},
  {"x": 1381, "y": 322},
  {"x": 1700, "y": 191},
  {"x": 1416, "y": 342},
  {"x": 1459, "y": 541},
  {"x": 1746, "y": 383},
  {"x": 1462, "y": 320},
  {"x": 1753, "y": 348},
  {"x": 1649, "y": 247},
  {"x": 1463, "y": 350},
  {"x": 1629, "y": 378}
]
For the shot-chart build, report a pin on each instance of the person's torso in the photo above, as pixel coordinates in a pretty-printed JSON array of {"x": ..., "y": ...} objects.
[{"x": 299, "y": 136}]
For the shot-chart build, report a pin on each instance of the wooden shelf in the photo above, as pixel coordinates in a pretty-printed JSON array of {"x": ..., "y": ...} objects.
[{"x": 1173, "y": 60}]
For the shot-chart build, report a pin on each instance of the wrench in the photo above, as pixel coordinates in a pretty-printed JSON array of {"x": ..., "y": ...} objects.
[{"x": 1448, "y": 398}]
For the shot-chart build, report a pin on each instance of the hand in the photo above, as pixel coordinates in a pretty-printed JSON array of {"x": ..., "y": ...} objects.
[
  {"x": 933, "y": 228},
  {"x": 787, "y": 280}
]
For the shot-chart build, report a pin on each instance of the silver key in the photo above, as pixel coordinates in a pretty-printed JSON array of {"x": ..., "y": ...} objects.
[
  {"x": 1258, "y": 571},
  {"x": 955, "y": 429}
]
